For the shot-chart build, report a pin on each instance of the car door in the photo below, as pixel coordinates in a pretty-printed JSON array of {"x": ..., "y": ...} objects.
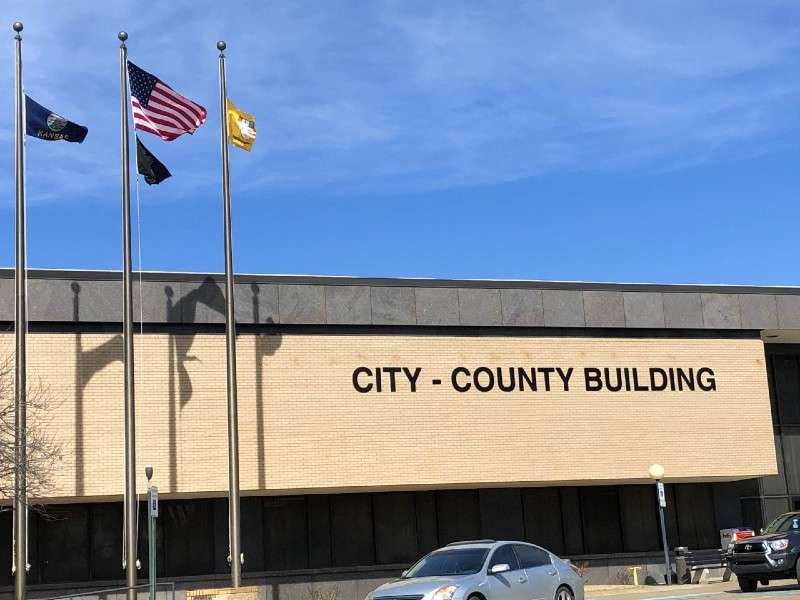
[
  {"x": 511, "y": 585},
  {"x": 543, "y": 580}
]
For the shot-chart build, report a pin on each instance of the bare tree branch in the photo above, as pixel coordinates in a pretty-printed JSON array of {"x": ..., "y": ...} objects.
[{"x": 44, "y": 452}]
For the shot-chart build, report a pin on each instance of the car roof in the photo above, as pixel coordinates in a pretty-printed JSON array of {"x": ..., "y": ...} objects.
[
  {"x": 482, "y": 544},
  {"x": 471, "y": 543}
]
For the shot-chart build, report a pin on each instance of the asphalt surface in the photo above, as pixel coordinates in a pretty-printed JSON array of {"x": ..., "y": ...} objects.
[{"x": 784, "y": 590}]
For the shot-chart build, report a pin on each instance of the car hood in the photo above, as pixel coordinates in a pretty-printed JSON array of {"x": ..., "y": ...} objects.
[
  {"x": 415, "y": 586},
  {"x": 763, "y": 538}
]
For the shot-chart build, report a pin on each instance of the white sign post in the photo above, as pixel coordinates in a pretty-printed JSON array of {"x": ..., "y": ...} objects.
[{"x": 662, "y": 496}]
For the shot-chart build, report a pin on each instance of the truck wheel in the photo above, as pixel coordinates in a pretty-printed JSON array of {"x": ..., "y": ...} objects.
[{"x": 747, "y": 585}]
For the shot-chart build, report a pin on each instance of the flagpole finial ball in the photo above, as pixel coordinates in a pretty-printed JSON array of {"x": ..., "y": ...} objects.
[
  {"x": 221, "y": 45},
  {"x": 17, "y": 26},
  {"x": 122, "y": 35}
]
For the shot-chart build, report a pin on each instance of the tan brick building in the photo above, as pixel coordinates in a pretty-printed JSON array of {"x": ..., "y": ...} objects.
[{"x": 382, "y": 418}]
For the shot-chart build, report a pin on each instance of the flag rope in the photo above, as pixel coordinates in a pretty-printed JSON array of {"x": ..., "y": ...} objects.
[
  {"x": 27, "y": 316},
  {"x": 137, "y": 347}
]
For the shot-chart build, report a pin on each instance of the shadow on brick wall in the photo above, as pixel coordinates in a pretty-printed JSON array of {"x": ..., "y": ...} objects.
[
  {"x": 266, "y": 345},
  {"x": 183, "y": 310},
  {"x": 87, "y": 363}
]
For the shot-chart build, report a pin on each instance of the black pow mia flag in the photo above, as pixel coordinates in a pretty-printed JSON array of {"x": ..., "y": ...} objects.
[{"x": 148, "y": 165}]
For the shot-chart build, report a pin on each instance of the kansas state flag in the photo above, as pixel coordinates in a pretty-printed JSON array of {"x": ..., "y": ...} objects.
[{"x": 47, "y": 125}]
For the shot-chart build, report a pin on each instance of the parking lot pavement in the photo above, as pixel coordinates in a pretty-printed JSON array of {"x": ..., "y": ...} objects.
[{"x": 788, "y": 590}]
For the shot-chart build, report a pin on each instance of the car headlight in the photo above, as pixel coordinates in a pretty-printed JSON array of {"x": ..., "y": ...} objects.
[
  {"x": 779, "y": 544},
  {"x": 445, "y": 593}
]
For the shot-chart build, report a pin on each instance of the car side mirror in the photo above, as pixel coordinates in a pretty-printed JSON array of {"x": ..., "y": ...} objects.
[
  {"x": 761, "y": 531},
  {"x": 501, "y": 568},
  {"x": 404, "y": 574}
]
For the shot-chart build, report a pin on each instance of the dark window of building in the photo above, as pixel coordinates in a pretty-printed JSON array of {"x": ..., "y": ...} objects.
[
  {"x": 787, "y": 388},
  {"x": 353, "y": 542},
  {"x": 504, "y": 555},
  {"x": 775, "y": 485},
  {"x": 601, "y": 521},
  {"x": 671, "y": 518},
  {"x": 285, "y": 533},
  {"x": 542, "y": 511},
  {"x": 751, "y": 513},
  {"x": 35, "y": 575},
  {"x": 774, "y": 507},
  {"x": 427, "y": 534},
  {"x": 64, "y": 543},
  {"x": 458, "y": 514},
  {"x": 221, "y": 549},
  {"x": 501, "y": 514},
  {"x": 726, "y": 504},
  {"x": 253, "y": 544},
  {"x": 105, "y": 538},
  {"x": 790, "y": 445},
  {"x": 319, "y": 532},
  {"x": 639, "y": 518},
  {"x": 530, "y": 557},
  {"x": 571, "y": 521},
  {"x": 5, "y": 540},
  {"x": 697, "y": 526},
  {"x": 395, "y": 528},
  {"x": 188, "y": 536}
]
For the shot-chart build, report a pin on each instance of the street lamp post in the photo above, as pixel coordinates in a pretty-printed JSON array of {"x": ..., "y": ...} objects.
[
  {"x": 657, "y": 474},
  {"x": 152, "y": 515}
]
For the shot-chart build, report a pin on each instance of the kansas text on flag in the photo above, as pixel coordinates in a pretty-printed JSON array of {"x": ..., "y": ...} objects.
[
  {"x": 159, "y": 109},
  {"x": 46, "y": 125}
]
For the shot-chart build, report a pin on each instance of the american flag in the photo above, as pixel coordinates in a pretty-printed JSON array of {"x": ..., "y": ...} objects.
[{"x": 159, "y": 109}]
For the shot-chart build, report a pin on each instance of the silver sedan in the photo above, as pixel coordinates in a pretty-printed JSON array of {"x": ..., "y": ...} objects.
[{"x": 485, "y": 570}]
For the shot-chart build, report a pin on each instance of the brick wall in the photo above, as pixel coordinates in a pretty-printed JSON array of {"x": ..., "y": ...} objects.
[{"x": 303, "y": 426}]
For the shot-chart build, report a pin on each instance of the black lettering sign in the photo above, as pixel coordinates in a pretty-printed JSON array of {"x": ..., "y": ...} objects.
[
  {"x": 363, "y": 388},
  {"x": 518, "y": 379}
]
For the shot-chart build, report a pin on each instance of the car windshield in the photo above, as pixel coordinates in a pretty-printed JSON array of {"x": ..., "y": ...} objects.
[
  {"x": 784, "y": 523},
  {"x": 462, "y": 561}
]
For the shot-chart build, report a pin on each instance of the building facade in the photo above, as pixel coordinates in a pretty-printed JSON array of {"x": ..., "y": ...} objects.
[{"x": 380, "y": 419}]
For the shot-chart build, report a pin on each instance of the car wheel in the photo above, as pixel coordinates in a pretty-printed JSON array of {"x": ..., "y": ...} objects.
[
  {"x": 747, "y": 585},
  {"x": 564, "y": 593}
]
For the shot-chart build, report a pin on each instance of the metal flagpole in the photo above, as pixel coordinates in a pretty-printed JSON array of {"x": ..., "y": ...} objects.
[
  {"x": 236, "y": 559},
  {"x": 131, "y": 503},
  {"x": 20, "y": 330}
]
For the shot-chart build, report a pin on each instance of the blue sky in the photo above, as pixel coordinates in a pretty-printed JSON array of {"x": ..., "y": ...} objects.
[{"x": 614, "y": 141}]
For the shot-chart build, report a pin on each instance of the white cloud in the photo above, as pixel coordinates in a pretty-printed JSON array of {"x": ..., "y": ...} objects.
[{"x": 392, "y": 96}]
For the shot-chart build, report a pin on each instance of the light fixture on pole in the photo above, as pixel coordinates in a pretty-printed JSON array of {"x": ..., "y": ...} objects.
[{"x": 656, "y": 472}]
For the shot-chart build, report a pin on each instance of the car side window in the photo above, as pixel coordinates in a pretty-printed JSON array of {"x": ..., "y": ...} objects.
[
  {"x": 531, "y": 556},
  {"x": 504, "y": 555}
]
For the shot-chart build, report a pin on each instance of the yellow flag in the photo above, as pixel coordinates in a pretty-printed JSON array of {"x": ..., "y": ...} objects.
[{"x": 241, "y": 128}]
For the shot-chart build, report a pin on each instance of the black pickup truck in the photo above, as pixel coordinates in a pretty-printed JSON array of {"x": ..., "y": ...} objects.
[{"x": 769, "y": 556}]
